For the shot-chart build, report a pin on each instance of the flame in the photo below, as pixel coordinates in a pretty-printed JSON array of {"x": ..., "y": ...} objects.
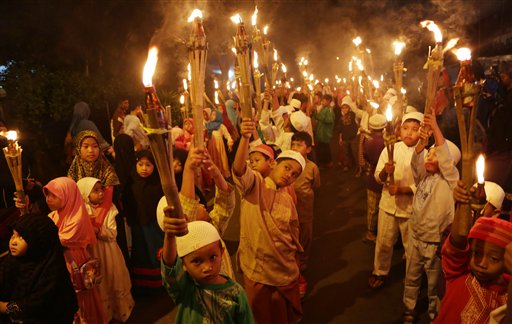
[
  {"x": 382, "y": 78},
  {"x": 480, "y": 168},
  {"x": 228, "y": 86},
  {"x": 195, "y": 14},
  {"x": 233, "y": 84},
  {"x": 451, "y": 44},
  {"x": 254, "y": 16},
  {"x": 233, "y": 50},
  {"x": 337, "y": 58},
  {"x": 326, "y": 80},
  {"x": 389, "y": 113},
  {"x": 374, "y": 105},
  {"x": 376, "y": 84},
  {"x": 11, "y": 135},
  {"x": 189, "y": 76},
  {"x": 311, "y": 77},
  {"x": 398, "y": 46},
  {"x": 368, "y": 51},
  {"x": 306, "y": 62},
  {"x": 237, "y": 19},
  {"x": 215, "y": 84},
  {"x": 275, "y": 55},
  {"x": 348, "y": 92},
  {"x": 265, "y": 30},
  {"x": 338, "y": 80},
  {"x": 298, "y": 89},
  {"x": 464, "y": 54},
  {"x": 182, "y": 99},
  {"x": 360, "y": 78},
  {"x": 310, "y": 87},
  {"x": 283, "y": 68},
  {"x": 149, "y": 67},
  {"x": 430, "y": 25},
  {"x": 185, "y": 84},
  {"x": 305, "y": 74},
  {"x": 403, "y": 91},
  {"x": 360, "y": 65},
  {"x": 357, "y": 41},
  {"x": 344, "y": 80},
  {"x": 291, "y": 80},
  {"x": 350, "y": 66},
  {"x": 216, "y": 95}
]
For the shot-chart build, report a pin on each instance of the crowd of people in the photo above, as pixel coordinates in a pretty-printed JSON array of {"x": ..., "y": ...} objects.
[{"x": 109, "y": 233}]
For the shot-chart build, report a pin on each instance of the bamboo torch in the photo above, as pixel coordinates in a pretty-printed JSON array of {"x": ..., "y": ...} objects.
[
  {"x": 218, "y": 93},
  {"x": 12, "y": 153},
  {"x": 156, "y": 131},
  {"x": 257, "y": 85},
  {"x": 243, "y": 53},
  {"x": 465, "y": 93},
  {"x": 261, "y": 46},
  {"x": 197, "y": 52},
  {"x": 390, "y": 139},
  {"x": 479, "y": 198},
  {"x": 398, "y": 69}
]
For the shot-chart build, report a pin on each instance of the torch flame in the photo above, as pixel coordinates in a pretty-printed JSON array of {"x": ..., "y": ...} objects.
[
  {"x": 344, "y": 80},
  {"x": 237, "y": 19},
  {"x": 450, "y": 44},
  {"x": 374, "y": 105},
  {"x": 255, "y": 60},
  {"x": 403, "y": 91},
  {"x": 430, "y": 25},
  {"x": 311, "y": 77},
  {"x": 359, "y": 64},
  {"x": 464, "y": 54},
  {"x": 368, "y": 51},
  {"x": 11, "y": 135},
  {"x": 389, "y": 113},
  {"x": 228, "y": 86},
  {"x": 216, "y": 94},
  {"x": 350, "y": 66},
  {"x": 182, "y": 99},
  {"x": 215, "y": 84},
  {"x": 189, "y": 76},
  {"x": 149, "y": 67},
  {"x": 254, "y": 16},
  {"x": 233, "y": 50},
  {"x": 185, "y": 84},
  {"x": 195, "y": 14},
  {"x": 283, "y": 68},
  {"x": 376, "y": 84},
  {"x": 305, "y": 74},
  {"x": 398, "y": 46},
  {"x": 480, "y": 167},
  {"x": 275, "y": 55},
  {"x": 357, "y": 41},
  {"x": 326, "y": 80},
  {"x": 265, "y": 30}
]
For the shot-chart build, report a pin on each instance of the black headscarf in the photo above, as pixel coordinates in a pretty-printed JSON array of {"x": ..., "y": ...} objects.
[
  {"x": 38, "y": 282},
  {"x": 125, "y": 158}
]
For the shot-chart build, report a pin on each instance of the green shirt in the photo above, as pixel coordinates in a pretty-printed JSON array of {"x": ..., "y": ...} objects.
[
  {"x": 325, "y": 119},
  {"x": 216, "y": 303}
]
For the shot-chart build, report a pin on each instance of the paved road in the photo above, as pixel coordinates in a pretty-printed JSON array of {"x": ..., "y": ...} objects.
[{"x": 339, "y": 267}]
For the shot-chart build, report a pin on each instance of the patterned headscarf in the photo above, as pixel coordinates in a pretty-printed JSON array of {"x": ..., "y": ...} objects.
[
  {"x": 101, "y": 168},
  {"x": 493, "y": 230}
]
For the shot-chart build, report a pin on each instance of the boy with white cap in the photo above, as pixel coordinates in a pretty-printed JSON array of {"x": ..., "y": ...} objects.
[
  {"x": 269, "y": 234},
  {"x": 395, "y": 205},
  {"x": 435, "y": 175},
  {"x": 191, "y": 263}
]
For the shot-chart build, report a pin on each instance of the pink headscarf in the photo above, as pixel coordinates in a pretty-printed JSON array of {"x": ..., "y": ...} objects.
[{"x": 72, "y": 220}]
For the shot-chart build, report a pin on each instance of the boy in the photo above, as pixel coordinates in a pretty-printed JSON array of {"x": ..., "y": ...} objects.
[
  {"x": 323, "y": 133},
  {"x": 371, "y": 150},
  {"x": 395, "y": 205},
  {"x": 191, "y": 264},
  {"x": 348, "y": 134},
  {"x": 269, "y": 234},
  {"x": 261, "y": 159},
  {"x": 306, "y": 183},
  {"x": 435, "y": 176},
  {"x": 474, "y": 268}
]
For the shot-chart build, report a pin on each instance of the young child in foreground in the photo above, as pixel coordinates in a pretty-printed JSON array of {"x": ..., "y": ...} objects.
[
  {"x": 269, "y": 234},
  {"x": 435, "y": 176},
  {"x": 191, "y": 263},
  {"x": 305, "y": 186}
]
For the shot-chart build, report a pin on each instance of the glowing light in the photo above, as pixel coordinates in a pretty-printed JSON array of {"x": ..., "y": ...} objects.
[
  {"x": 376, "y": 84},
  {"x": 326, "y": 80},
  {"x": 233, "y": 50},
  {"x": 275, "y": 55},
  {"x": 185, "y": 84},
  {"x": 464, "y": 54},
  {"x": 237, "y": 19},
  {"x": 306, "y": 62},
  {"x": 305, "y": 74},
  {"x": 368, "y": 51},
  {"x": 216, "y": 97},
  {"x": 357, "y": 41},
  {"x": 451, "y": 44},
  {"x": 215, "y": 84},
  {"x": 430, "y": 25},
  {"x": 480, "y": 168},
  {"x": 374, "y": 105},
  {"x": 149, "y": 67},
  {"x": 283, "y": 68},
  {"x": 389, "y": 113},
  {"x": 255, "y": 60},
  {"x": 359, "y": 64},
  {"x": 348, "y": 92},
  {"x": 182, "y": 99},
  {"x": 11, "y": 135},
  {"x": 228, "y": 86},
  {"x": 403, "y": 91},
  {"x": 195, "y": 14},
  {"x": 311, "y": 77},
  {"x": 189, "y": 72},
  {"x": 350, "y": 66},
  {"x": 291, "y": 80},
  {"x": 233, "y": 84},
  {"x": 265, "y": 30},
  {"x": 254, "y": 16},
  {"x": 398, "y": 46},
  {"x": 382, "y": 78},
  {"x": 337, "y": 58},
  {"x": 344, "y": 80}
]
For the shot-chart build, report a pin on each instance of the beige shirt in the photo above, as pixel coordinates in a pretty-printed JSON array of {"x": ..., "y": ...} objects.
[
  {"x": 269, "y": 231},
  {"x": 306, "y": 183}
]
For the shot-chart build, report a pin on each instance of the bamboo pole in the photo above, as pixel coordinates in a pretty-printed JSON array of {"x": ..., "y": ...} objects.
[
  {"x": 13, "y": 153},
  {"x": 243, "y": 53}
]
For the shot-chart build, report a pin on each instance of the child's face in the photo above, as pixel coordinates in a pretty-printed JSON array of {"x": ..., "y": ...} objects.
[
  {"x": 213, "y": 115},
  {"x": 145, "y": 167},
  {"x": 187, "y": 126},
  {"x": 53, "y": 202},
  {"x": 17, "y": 245},
  {"x": 204, "y": 264},
  {"x": 97, "y": 194},
  {"x": 177, "y": 166},
  {"x": 301, "y": 147},
  {"x": 285, "y": 172},
  {"x": 487, "y": 262},
  {"x": 431, "y": 162},
  {"x": 258, "y": 163},
  {"x": 410, "y": 132},
  {"x": 89, "y": 149},
  {"x": 345, "y": 109}
]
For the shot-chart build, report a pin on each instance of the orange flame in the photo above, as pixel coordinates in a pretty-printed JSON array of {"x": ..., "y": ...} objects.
[
  {"x": 255, "y": 60},
  {"x": 254, "y": 16},
  {"x": 480, "y": 168},
  {"x": 237, "y": 19},
  {"x": 430, "y": 25},
  {"x": 463, "y": 54},
  {"x": 195, "y": 14},
  {"x": 398, "y": 46},
  {"x": 357, "y": 41},
  {"x": 389, "y": 113},
  {"x": 149, "y": 67}
]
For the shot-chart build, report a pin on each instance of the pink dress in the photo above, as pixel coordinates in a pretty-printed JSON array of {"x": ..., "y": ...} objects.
[{"x": 76, "y": 234}]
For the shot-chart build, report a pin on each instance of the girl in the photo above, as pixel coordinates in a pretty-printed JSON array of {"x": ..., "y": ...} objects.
[
  {"x": 185, "y": 140},
  {"x": 133, "y": 127},
  {"x": 115, "y": 285},
  {"x": 216, "y": 133},
  {"x": 76, "y": 235},
  {"x": 35, "y": 286},
  {"x": 147, "y": 238}
]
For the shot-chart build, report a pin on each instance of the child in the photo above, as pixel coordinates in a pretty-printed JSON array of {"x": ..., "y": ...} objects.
[
  {"x": 35, "y": 286},
  {"x": 269, "y": 234},
  {"x": 76, "y": 236},
  {"x": 433, "y": 207},
  {"x": 348, "y": 134},
  {"x": 261, "y": 159},
  {"x": 191, "y": 274},
  {"x": 324, "y": 127},
  {"x": 395, "y": 205},
  {"x": 115, "y": 285},
  {"x": 371, "y": 150},
  {"x": 216, "y": 134},
  {"x": 474, "y": 271},
  {"x": 494, "y": 196},
  {"x": 147, "y": 237},
  {"x": 306, "y": 183}
]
